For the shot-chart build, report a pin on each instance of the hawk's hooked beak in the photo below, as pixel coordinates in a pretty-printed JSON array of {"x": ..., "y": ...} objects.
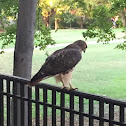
[
  {"x": 84, "y": 51},
  {"x": 85, "y": 48}
]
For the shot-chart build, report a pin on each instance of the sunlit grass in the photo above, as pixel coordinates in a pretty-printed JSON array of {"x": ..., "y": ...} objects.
[
  {"x": 70, "y": 35},
  {"x": 102, "y": 69}
]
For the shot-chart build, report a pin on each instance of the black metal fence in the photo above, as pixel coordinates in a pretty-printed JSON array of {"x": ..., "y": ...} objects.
[{"x": 48, "y": 105}]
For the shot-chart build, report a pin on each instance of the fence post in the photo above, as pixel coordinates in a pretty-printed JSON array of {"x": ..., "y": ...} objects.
[
  {"x": 62, "y": 104},
  {"x": 44, "y": 107}
]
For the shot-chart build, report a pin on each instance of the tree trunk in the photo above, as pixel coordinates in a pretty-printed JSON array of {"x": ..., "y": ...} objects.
[
  {"x": 56, "y": 24},
  {"x": 48, "y": 21},
  {"x": 24, "y": 39},
  {"x": 124, "y": 18},
  {"x": 81, "y": 23},
  {"x": 70, "y": 25},
  {"x": 125, "y": 21},
  {"x": 24, "y": 47}
]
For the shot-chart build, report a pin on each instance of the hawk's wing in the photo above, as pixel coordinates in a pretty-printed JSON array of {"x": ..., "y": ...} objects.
[{"x": 61, "y": 61}]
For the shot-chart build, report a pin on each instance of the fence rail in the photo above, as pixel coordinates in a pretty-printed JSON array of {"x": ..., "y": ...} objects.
[{"x": 49, "y": 105}]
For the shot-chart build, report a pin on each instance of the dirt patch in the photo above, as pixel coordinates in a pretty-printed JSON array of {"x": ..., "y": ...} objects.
[{"x": 76, "y": 120}]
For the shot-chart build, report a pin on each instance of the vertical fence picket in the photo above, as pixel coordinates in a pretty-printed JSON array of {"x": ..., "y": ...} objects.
[
  {"x": 53, "y": 108},
  {"x": 111, "y": 114},
  {"x": 101, "y": 113},
  {"x": 81, "y": 110},
  {"x": 1, "y": 104},
  {"x": 71, "y": 110},
  {"x": 29, "y": 107},
  {"x": 37, "y": 106},
  {"x": 22, "y": 104},
  {"x": 44, "y": 107},
  {"x": 122, "y": 113},
  {"x": 8, "y": 103},
  {"x": 15, "y": 104},
  {"x": 62, "y": 104},
  {"x": 91, "y": 112}
]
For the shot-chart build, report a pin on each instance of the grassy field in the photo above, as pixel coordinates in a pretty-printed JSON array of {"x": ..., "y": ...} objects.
[
  {"x": 70, "y": 35},
  {"x": 102, "y": 70}
]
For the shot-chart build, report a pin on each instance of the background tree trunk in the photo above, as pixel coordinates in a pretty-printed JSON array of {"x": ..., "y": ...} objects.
[
  {"x": 24, "y": 47},
  {"x": 56, "y": 24},
  {"x": 124, "y": 18},
  {"x": 81, "y": 22}
]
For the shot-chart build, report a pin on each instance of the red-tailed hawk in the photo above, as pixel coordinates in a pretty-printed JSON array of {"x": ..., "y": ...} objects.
[{"x": 60, "y": 64}]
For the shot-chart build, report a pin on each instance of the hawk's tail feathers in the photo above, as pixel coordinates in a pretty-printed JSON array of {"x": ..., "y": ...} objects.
[
  {"x": 34, "y": 82},
  {"x": 36, "y": 78}
]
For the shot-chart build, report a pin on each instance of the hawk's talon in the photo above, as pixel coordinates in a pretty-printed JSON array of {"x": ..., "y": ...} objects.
[
  {"x": 65, "y": 88},
  {"x": 73, "y": 89}
]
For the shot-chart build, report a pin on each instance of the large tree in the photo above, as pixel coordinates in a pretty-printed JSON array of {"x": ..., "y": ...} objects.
[
  {"x": 24, "y": 38},
  {"x": 24, "y": 46}
]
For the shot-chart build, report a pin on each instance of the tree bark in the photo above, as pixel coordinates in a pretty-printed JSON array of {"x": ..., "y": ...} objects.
[
  {"x": 81, "y": 22},
  {"x": 24, "y": 38},
  {"x": 124, "y": 18},
  {"x": 24, "y": 50},
  {"x": 56, "y": 24}
]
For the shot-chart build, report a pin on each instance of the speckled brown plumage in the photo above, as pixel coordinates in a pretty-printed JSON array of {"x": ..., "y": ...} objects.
[{"x": 60, "y": 64}]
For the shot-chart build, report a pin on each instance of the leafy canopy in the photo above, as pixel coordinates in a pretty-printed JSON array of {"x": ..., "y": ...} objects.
[
  {"x": 8, "y": 16},
  {"x": 101, "y": 26}
]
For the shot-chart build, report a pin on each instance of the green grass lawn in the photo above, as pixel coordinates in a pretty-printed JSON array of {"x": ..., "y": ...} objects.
[
  {"x": 70, "y": 35},
  {"x": 102, "y": 70}
]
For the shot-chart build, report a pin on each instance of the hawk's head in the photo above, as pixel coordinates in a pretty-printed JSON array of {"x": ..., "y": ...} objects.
[{"x": 81, "y": 44}]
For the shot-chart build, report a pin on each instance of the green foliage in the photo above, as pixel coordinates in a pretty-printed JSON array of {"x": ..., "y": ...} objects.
[
  {"x": 43, "y": 37},
  {"x": 119, "y": 23},
  {"x": 124, "y": 31},
  {"x": 68, "y": 17},
  {"x": 8, "y": 8},
  {"x": 42, "y": 33},
  {"x": 101, "y": 26},
  {"x": 118, "y": 5},
  {"x": 79, "y": 4},
  {"x": 8, "y": 36},
  {"x": 102, "y": 16},
  {"x": 74, "y": 4},
  {"x": 121, "y": 46},
  {"x": 6, "y": 4},
  {"x": 102, "y": 35}
]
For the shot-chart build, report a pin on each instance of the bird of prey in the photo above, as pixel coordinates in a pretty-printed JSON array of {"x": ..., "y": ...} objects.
[{"x": 60, "y": 64}]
